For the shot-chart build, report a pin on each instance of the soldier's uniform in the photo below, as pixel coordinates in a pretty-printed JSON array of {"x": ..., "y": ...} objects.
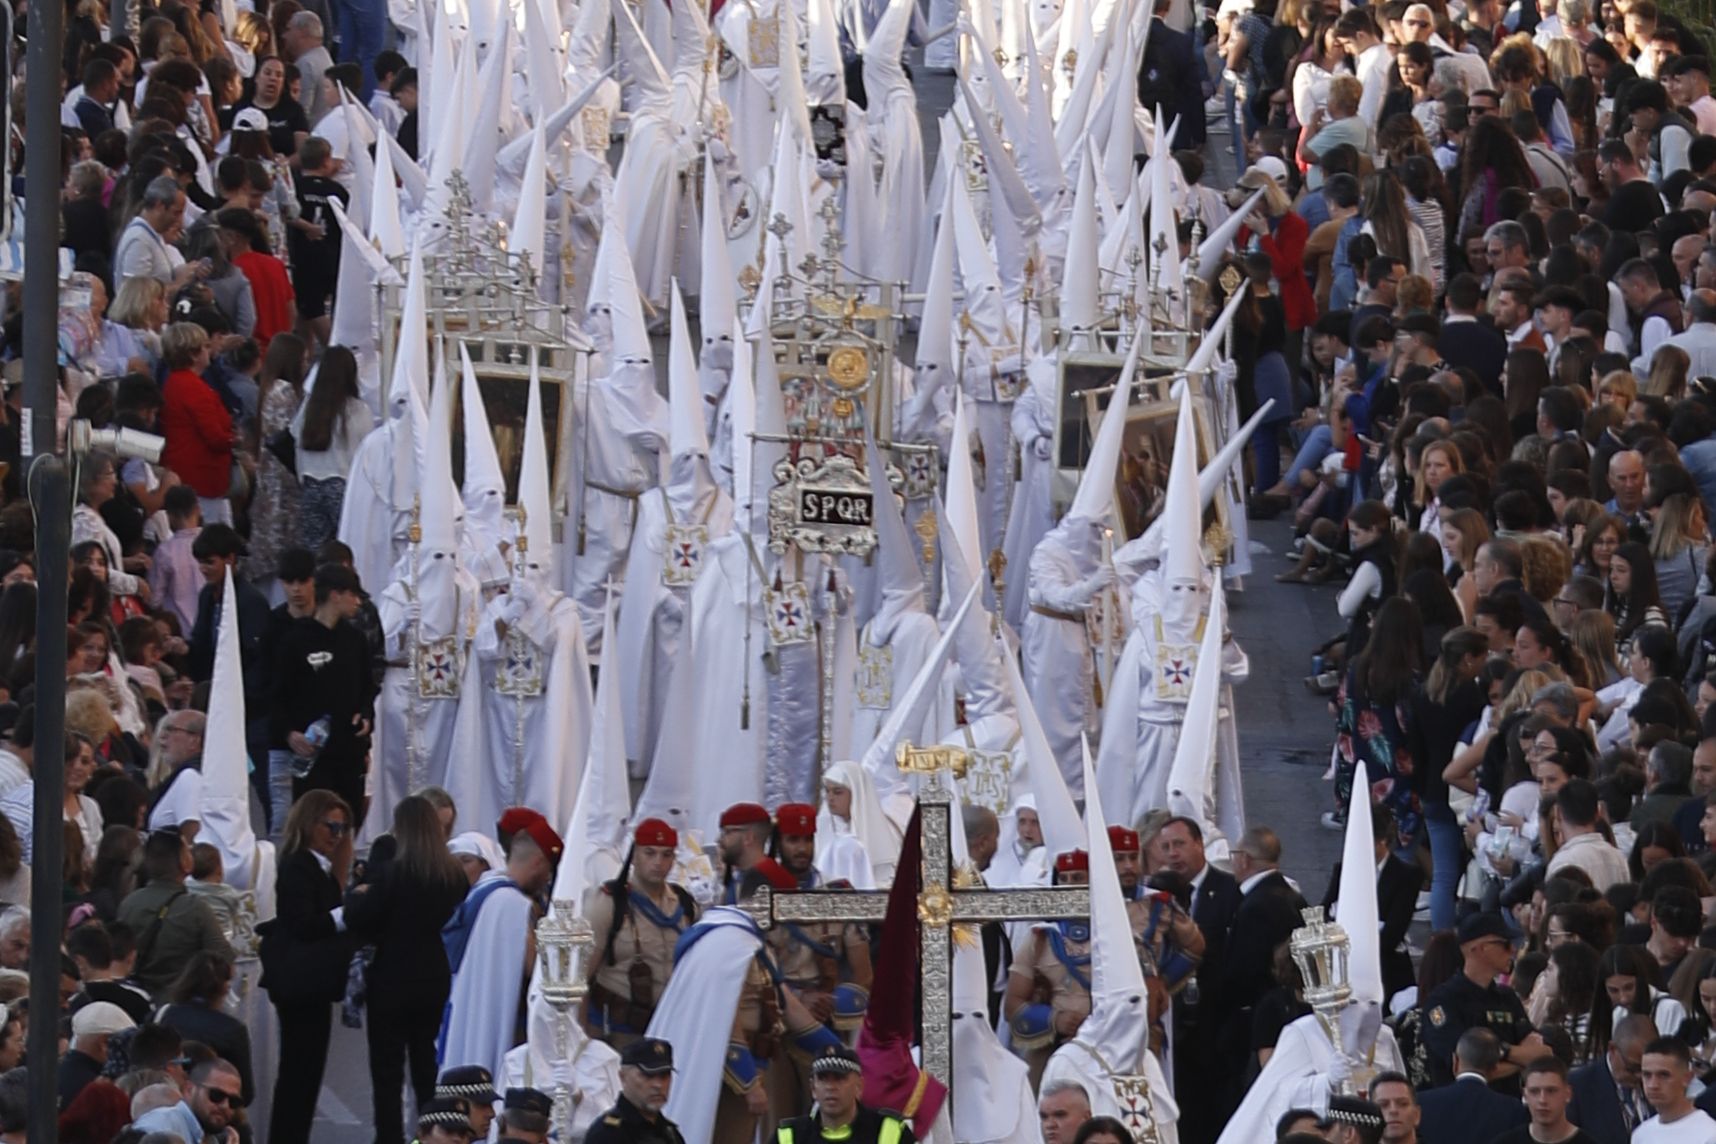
[
  {"x": 830, "y": 959},
  {"x": 1055, "y": 964},
  {"x": 1460, "y": 1003},
  {"x": 635, "y": 956},
  {"x": 625, "y": 1123}
]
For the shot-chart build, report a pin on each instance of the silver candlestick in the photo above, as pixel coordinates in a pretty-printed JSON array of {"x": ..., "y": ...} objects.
[{"x": 563, "y": 938}]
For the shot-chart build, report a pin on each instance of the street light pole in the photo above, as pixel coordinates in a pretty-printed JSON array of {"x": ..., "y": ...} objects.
[{"x": 50, "y": 496}]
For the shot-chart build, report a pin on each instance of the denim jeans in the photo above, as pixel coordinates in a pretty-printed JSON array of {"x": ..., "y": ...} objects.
[
  {"x": 363, "y": 26},
  {"x": 1310, "y": 454},
  {"x": 1266, "y": 454},
  {"x": 1446, "y": 852},
  {"x": 279, "y": 790}
]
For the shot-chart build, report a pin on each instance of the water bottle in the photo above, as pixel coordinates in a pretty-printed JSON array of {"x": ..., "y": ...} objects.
[{"x": 317, "y": 733}]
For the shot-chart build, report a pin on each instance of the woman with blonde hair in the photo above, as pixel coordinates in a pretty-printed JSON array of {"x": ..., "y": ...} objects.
[
  {"x": 1438, "y": 461},
  {"x": 1566, "y": 59},
  {"x": 1679, "y": 540},
  {"x": 1463, "y": 532},
  {"x": 1618, "y": 388},
  {"x": 141, "y": 305},
  {"x": 1592, "y": 634},
  {"x": 1668, "y": 369}
]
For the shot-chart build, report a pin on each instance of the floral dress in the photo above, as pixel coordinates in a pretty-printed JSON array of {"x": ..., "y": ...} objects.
[
  {"x": 274, "y": 513},
  {"x": 1378, "y": 734}
]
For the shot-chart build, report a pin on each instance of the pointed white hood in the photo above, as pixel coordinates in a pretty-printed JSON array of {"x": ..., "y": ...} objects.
[
  {"x": 1080, "y": 287},
  {"x": 614, "y": 283},
  {"x": 1164, "y": 224},
  {"x": 226, "y": 783},
  {"x": 1119, "y": 1021},
  {"x": 604, "y": 795},
  {"x": 987, "y": 1079},
  {"x": 494, "y": 98},
  {"x": 410, "y": 381},
  {"x": 750, "y": 499},
  {"x": 438, "y": 514},
  {"x": 961, "y": 495},
  {"x": 1210, "y": 479},
  {"x": 547, "y": 86},
  {"x": 385, "y": 229},
  {"x": 1358, "y": 910},
  {"x": 686, "y": 436},
  {"x": 533, "y": 488},
  {"x": 771, "y": 421},
  {"x": 1040, "y": 164},
  {"x": 484, "y": 490},
  {"x": 1213, "y": 337},
  {"x": 984, "y": 300},
  {"x": 716, "y": 303},
  {"x": 935, "y": 332},
  {"x": 1218, "y": 240},
  {"x": 1057, "y": 814},
  {"x": 1095, "y": 499},
  {"x": 529, "y": 234},
  {"x": 1182, "y": 515},
  {"x": 909, "y": 708},
  {"x": 1191, "y": 779},
  {"x": 901, "y": 579}
]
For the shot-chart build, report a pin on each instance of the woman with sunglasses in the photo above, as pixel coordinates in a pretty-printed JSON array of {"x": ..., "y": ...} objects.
[{"x": 306, "y": 953}]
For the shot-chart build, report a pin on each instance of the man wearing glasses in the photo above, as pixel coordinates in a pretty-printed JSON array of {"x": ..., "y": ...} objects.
[
  {"x": 210, "y": 1102},
  {"x": 179, "y": 800},
  {"x": 1472, "y": 998}
]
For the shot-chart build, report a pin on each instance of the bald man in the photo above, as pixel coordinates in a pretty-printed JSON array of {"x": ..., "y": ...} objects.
[{"x": 1269, "y": 912}]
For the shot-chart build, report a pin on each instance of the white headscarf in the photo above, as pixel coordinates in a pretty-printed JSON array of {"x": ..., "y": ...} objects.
[{"x": 869, "y": 824}]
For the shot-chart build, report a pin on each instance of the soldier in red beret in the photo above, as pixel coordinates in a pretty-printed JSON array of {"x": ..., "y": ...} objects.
[
  {"x": 744, "y": 851},
  {"x": 827, "y": 965},
  {"x": 637, "y": 919},
  {"x": 1048, "y": 986}
]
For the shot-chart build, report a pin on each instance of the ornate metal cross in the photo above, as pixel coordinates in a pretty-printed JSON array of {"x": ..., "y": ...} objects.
[{"x": 942, "y": 904}]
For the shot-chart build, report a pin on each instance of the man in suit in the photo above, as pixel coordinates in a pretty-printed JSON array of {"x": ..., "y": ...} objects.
[
  {"x": 1467, "y": 340},
  {"x": 1171, "y": 76},
  {"x": 1608, "y": 1095},
  {"x": 1397, "y": 886},
  {"x": 1269, "y": 912},
  {"x": 1469, "y": 1109},
  {"x": 1179, "y": 847}
]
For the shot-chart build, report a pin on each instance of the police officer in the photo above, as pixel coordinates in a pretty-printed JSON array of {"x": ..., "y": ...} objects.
[
  {"x": 444, "y": 1120},
  {"x": 837, "y": 1078},
  {"x": 646, "y": 1078},
  {"x": 637, "y": 919},
  {"x": 526, "y": 1116},
  {"x": 1471, "y": 998},
  {"x": 476, "y": 1087}
]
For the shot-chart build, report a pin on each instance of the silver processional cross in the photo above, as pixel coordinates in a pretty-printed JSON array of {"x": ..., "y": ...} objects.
[{"x": 941, "y": 903}]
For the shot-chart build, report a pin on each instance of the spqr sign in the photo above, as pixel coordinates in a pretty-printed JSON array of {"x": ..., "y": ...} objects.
[{"x": 834, "y": 506}]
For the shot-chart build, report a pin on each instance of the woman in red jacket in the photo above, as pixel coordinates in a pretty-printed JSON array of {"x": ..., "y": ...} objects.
[{"x": 196, "y": 425}]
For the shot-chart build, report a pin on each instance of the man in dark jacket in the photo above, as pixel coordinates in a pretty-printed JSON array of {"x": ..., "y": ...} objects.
[
  {"x": 1397, "y": 886},
  {"x": 1171, "y": 76},
  {"x": 1469, "y": 1109},
  {"x": 836, "y": 1080},
  {"x": 646, "y": 1078},
  {"x": 1269, "y": 911},
  {"x": 325, "y": 692},
  {"x": 1608, "y": 1094}
]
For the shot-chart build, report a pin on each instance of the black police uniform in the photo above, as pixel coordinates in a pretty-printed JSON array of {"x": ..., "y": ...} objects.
[
  {"x": 868, "y": 1127},
  {"x": 1459, "y": 1004},
  {"x": 624, "y": 1124}
]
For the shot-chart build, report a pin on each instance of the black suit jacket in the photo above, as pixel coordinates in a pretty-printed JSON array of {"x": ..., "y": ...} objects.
[
  {"x": 1596, "y": 1106},
  {"x": 402, "y": 917},
  {"x": 225, "y": 1034},
  {"x": 1171, "y": 63},
  {"x": 1467, "y": 1111},
  {"x": 304, "y": 956},
  {"x": 1397, "y": 887},
  {"x": 1267, "y": 916},
  {"x": 1476, "y": 345}
]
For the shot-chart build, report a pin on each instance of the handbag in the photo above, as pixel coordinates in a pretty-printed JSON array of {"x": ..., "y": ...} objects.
[{"x": 284, "y": 449}]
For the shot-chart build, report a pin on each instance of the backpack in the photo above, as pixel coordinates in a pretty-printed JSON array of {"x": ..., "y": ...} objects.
[{"x": 456, "y": 934}]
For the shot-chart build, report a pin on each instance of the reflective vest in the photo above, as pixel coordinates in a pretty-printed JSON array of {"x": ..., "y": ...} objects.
[{"x": 889, "y": 1133}]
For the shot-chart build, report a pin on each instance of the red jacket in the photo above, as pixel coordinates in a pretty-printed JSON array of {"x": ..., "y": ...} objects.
[
  {"x": 198, "y": 430},
  {"x": 272, "y": 291},
  {"x": 1286, "y": 250}
]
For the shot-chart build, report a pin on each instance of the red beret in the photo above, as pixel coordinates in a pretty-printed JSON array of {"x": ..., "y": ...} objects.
[
  {"x": 796, "y": 820},
  {"x": 655, "y": 832},
  {"x": 521, "y": 820},
  {"x": 744, "y": 814},
  {"x": 1072, "y": 860},
  {"x": 1122, "y": 840}
]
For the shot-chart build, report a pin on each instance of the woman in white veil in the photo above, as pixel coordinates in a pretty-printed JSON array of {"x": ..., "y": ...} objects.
[{"x": 855, "y": 840}]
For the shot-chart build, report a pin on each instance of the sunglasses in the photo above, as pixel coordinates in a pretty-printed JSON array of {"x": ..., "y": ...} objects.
[
  {"x": 222, "y": 1096},
  {"x": 334, "y": 827}
]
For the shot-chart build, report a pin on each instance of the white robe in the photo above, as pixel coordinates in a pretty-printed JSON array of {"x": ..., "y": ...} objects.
[
  {"x": 1296, "y": 1076},
  {"x": 992, "y": 1098},
  {"x": 696, "y": 1010},
  {"x": 483, "y": 1005},
  {"x": 1140, "y": 731},
  {"x": 652, "y": 614},
  {"x": 909, "y": 637},
  {"x": 523, "y": 750},
  {"x": 1074, "y": 1061},
  {"x": 369, "y": 523},
  {"x": 1033, "y": 513},
  {"x": 1056, "y": 653},
  {"x": 590, "y": 1069},
  {"x": 414, "y": 735}
]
